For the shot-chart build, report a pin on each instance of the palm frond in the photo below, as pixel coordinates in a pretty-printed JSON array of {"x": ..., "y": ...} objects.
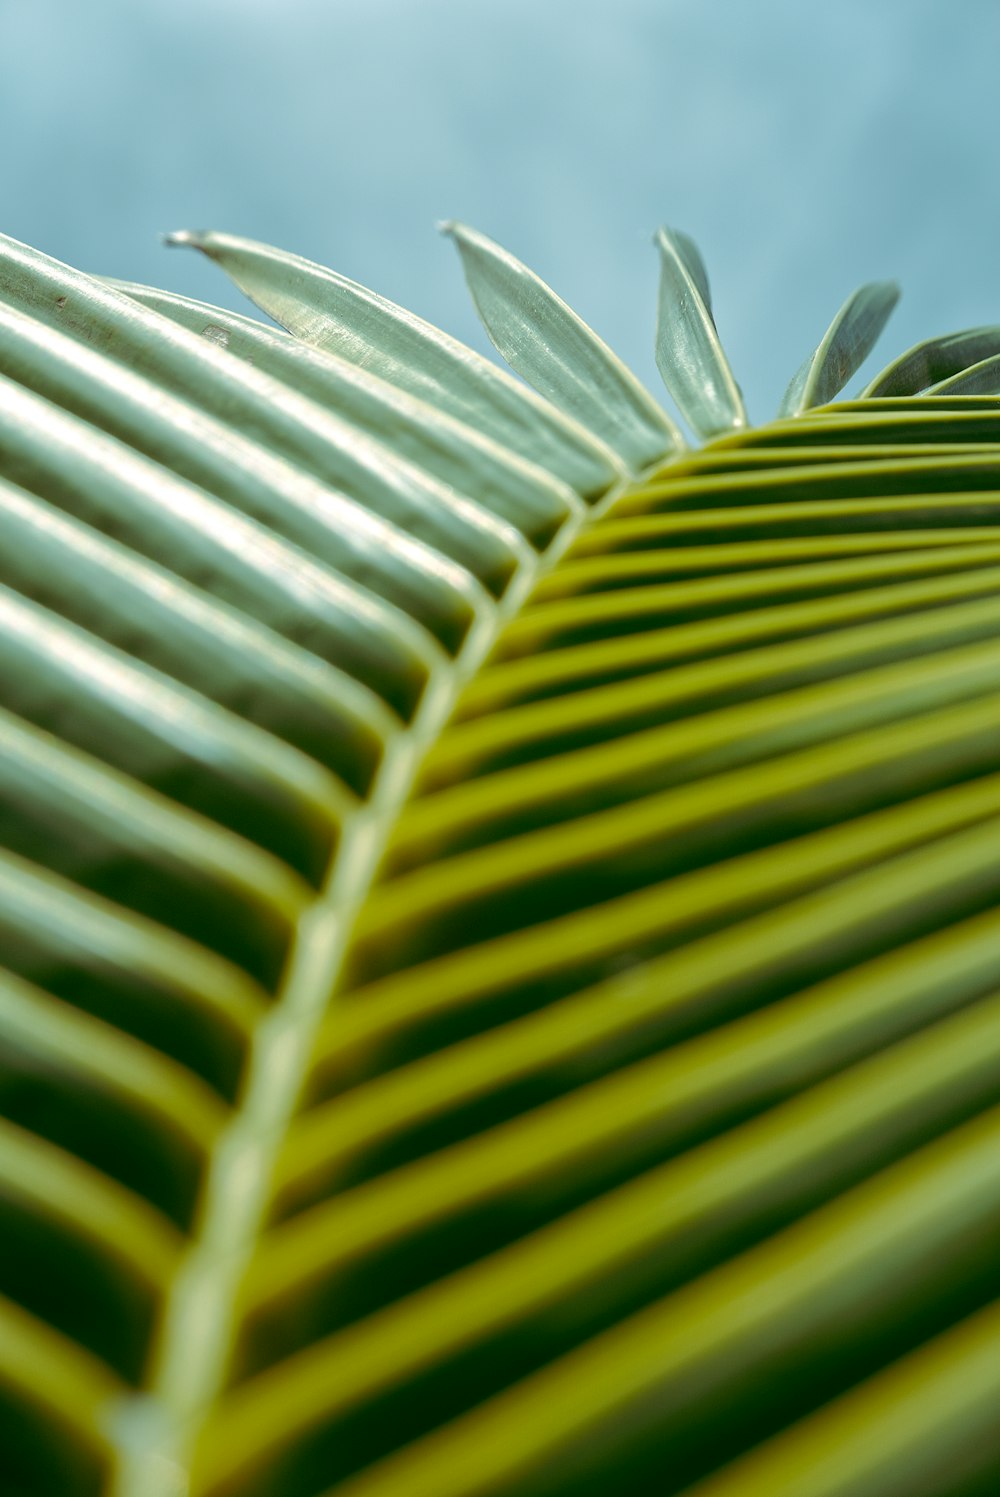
[{"x": 499, "y": 957}]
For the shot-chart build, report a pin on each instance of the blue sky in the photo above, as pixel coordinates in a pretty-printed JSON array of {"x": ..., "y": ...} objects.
[{"x": 806, "y": 148}]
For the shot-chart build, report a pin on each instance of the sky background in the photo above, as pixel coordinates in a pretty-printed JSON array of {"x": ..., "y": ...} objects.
[{"x": 806, "y": 149}]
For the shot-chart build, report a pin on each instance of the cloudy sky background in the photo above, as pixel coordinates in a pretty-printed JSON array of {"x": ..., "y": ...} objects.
[{"x": 806, "y": 148}]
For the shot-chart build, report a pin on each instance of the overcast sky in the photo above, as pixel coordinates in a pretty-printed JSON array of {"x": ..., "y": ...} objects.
[{"x": 806, "y": 148}]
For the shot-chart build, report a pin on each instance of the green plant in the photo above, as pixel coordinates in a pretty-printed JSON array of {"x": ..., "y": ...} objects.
[{"x": 498, "y": 908}]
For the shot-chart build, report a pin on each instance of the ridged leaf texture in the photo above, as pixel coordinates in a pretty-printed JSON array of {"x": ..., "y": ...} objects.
[{"x": 500, "y": 954}]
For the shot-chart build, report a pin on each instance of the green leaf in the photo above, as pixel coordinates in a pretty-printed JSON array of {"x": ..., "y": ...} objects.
[
  {"x": 688, "y": 352},
  {"x": 316, "y": 440},
  {"x": 936, "y": 359},
  {"x": 846, "y": 344},
  {"x": 978, "y": 379},
  {"x": 172, "y": 626},
  {"x": 556, "y": 352},
  {"x": 341, "y": 317},
  {"x": 237, "y": 559},
  {"x": 925, "y": 1397},
  {"x": 249, "y": 441},
  {"x": 449, "y": 450},
  {"x": 487, "y": 985}
]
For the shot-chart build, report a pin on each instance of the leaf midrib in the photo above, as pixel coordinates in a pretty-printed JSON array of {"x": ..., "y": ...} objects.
[{"x": 155, "y": 1431}]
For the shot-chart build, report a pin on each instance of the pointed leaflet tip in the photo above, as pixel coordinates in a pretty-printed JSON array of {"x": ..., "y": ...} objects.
[
  {"x": 177, "y": 237},
  {"x": 688, "y": 353},
  {"x": 556, "y": 352},
  {"x": 330, "y": 312},
  {"x": 685, "y": 247},
  {"x": 843, "y": 348}
]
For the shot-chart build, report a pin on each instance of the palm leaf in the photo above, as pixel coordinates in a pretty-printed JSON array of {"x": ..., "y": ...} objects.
[
  {"x": 689, "y": 354},
  {"x": 843, "y": 348},
  {"x": 543, "y": 339},
  {"x": 978, "y": 379},
  {"x": 330, "y": 312},
  {"x": 936, "y": 361},
  {"x": 500, "y": 961}
]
